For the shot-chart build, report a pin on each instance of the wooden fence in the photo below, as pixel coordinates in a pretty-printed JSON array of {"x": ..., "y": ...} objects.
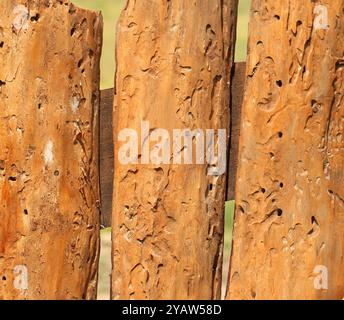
[{"x": 60, "y": 151}]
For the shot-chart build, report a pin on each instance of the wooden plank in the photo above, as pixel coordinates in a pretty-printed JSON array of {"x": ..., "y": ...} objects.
[
  {"x": 289, "y": 220},
  {"x": 169, "y": 216},
  {"x": 49, "y": 182},
  {"x": 237, "y": 95},
  {"x": 106, "y": 155}
]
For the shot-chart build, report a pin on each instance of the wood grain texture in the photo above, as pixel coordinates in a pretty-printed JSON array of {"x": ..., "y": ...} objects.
[
  {"x": 173, "y": 70},
  {"x": 290, "y": 209},
  {"x": 49, "y": 105}
]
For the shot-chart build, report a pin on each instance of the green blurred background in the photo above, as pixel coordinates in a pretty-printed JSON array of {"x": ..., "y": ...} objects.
[{"x": 111, "y": 10}]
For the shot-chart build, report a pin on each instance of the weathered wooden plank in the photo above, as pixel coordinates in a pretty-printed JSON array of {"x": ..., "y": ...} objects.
[
  {"x": 106, "y": 155},
  {"x": 173, "y": 71},
  {"x": 237, "y": 95},
  {"x": 289, "y": 221},
  {"x": 49, "y": 193}
]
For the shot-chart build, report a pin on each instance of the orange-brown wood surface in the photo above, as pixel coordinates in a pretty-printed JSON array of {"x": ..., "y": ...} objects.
[
  {"x": 49, "y": 195},
  {"x": 173, "y": 66},
  {"x": 289, "y": 220}
]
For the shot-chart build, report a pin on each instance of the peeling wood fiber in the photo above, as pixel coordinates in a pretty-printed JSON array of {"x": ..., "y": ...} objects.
[
  {"x": 49, "y": 194},
  {"x": 173, "y": 65},
  {"x": 289, "y": 194}
]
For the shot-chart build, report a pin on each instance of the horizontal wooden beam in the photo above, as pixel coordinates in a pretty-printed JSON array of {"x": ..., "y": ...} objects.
[
  {"x": 106, "y": 155},
  {"x": 237, "y": 96},
  {"x": 107, "y": 150}
]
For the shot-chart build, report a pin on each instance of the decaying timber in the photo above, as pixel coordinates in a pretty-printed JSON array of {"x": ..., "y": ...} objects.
[
  {"x": 289, "y": 224},
  {"x": 49, "y": 194},
  {"x": 173, "y": 66}
]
